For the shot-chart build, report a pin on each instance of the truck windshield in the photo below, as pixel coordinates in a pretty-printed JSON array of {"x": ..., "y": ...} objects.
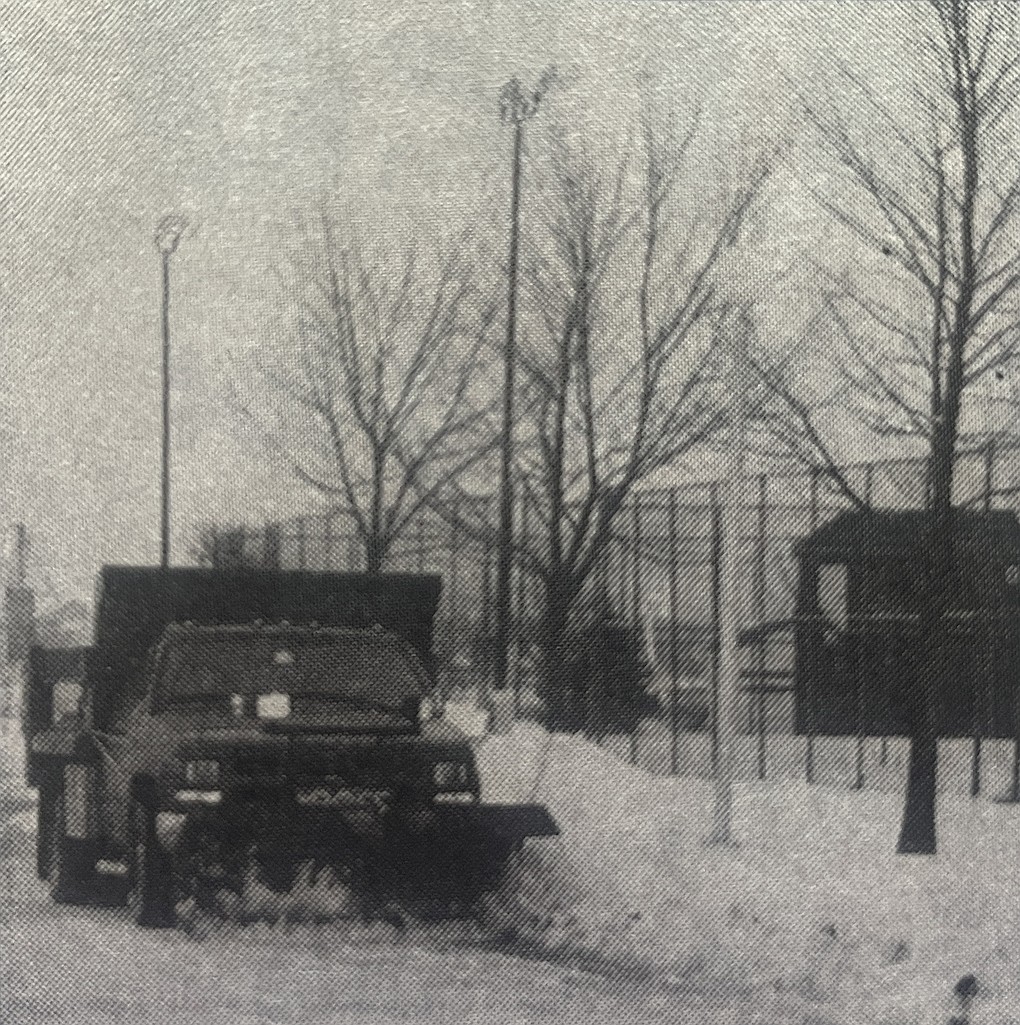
[{"x": 376, "y": 668}]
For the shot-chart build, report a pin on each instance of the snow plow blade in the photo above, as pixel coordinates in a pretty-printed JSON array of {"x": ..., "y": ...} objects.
[{"x": 513, "y": 822}]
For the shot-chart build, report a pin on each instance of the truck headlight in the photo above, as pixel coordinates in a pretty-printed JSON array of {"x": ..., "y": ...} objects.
[
  {"x": 449, "y": 775},
  {"x": 202, "y": 773}
]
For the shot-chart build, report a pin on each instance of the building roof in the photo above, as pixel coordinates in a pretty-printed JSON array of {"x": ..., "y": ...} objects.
[{"x": 861, "y": 535}]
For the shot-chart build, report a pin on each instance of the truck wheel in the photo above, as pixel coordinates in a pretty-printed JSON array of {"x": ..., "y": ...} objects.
[
  {"x": 67, "y": 866},
  {"x": 48, "y": 784},
  {"x": 151, "y": 891}
]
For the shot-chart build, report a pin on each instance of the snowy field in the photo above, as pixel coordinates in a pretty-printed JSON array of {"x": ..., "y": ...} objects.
[{"x": 811, "y": 909}]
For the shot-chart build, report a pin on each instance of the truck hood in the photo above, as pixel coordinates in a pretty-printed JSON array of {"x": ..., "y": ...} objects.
[{"x": 337, "y": 718}]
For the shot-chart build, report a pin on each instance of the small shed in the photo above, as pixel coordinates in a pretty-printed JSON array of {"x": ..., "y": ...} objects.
[{"x": 864, "y": 612}]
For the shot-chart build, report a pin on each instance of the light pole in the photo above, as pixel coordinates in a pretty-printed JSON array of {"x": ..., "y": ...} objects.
[
  {"x": 515, "y": 108},
  {"x": 168, "y": 236}
]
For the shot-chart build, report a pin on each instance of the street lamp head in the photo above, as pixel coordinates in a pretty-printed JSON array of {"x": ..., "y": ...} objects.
[
  {"x": 517, "y": 105},
  {"x": 169, "y": 232},
  {"x": 511, "y": 102}
]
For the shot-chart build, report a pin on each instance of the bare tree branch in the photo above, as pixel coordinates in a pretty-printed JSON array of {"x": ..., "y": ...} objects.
[{"x": 378, "y": 399}]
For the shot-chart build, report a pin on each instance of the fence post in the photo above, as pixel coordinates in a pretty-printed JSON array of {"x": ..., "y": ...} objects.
[
  {"x": 989, "y": 461},
  {"x": 517, "y": 618},
  {"x": 985, "y": 648},
  {"x": 419, "y": 541},
  {"x": 988, "y": 654},
  {"x": 635, "y": 564},
  {"x": 302, "y": 538},
  {"x": 453, "y": 619},
  {"x": 727, "y": 531},
  {"x": 809, "y": 750},
  {"x": 486, "y": 647},
  {"x": 854, "y": 639},
  {"x": 714, "y": 557},
  {"x": 635, "y": 601},
  {"x": 1014, "y": 786},
  {"x": 760, "y": 612},
  {"x": 328, "y": 541},
  {"x": 674, "y": 613}
]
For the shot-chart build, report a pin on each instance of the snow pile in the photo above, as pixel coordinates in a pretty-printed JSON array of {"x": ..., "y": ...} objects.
[
  {"x": 467, "y": 717},
  {"x": 812, "y": 904},
  {"x": 313, "y": 898}
]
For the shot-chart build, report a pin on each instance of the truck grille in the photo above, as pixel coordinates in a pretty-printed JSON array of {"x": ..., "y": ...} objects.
[{"x": 304, "y": 768}]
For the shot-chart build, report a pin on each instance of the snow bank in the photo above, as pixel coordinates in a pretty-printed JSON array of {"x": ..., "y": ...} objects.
[{"x": 811, "y": 905}]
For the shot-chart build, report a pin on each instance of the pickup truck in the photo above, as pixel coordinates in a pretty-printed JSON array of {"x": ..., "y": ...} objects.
[{"x": 232, "y": 717}]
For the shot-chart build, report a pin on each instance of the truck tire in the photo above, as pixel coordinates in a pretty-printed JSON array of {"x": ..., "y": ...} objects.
[
  {"x": 151, "y": 893},
  {"x": 48, "y": 784},
  {"x": 69, "y": 869}
]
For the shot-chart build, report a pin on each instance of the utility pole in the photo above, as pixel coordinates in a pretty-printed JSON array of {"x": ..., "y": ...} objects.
[
  {"x": 515, "y": 108},
  {"x": 168, "y": 236}
]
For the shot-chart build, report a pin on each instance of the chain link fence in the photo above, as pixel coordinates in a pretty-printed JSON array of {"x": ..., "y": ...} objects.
[{"x": 660, "y": 573}]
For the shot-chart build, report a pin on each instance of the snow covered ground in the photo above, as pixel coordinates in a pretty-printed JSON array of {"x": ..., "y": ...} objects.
[
  {"x": 93, "y": 965},
  {"x": 810, "y": 918},
  {"x": 883, "y": 766},
  {"x": 812, "y": 907}
]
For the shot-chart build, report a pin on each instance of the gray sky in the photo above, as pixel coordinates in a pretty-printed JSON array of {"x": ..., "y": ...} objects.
[{"x": 244, "y": 112}]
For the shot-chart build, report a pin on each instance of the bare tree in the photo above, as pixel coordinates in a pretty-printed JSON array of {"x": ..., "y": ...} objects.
[
  {"x": 378, "y": 404},
  {"x": 931, "y": 191},
  {"x": 620, "y": 359}
]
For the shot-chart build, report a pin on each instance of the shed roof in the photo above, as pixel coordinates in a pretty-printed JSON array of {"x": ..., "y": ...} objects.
[{"x": 876, "y": 533}]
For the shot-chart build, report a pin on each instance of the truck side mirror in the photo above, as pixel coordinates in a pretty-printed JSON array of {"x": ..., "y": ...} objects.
[
  {"x": 55, "y": 688},
  {"x": 67, "y": 700}
]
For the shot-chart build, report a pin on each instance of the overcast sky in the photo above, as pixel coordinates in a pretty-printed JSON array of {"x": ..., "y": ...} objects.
[{"x": 244, "y": 113}]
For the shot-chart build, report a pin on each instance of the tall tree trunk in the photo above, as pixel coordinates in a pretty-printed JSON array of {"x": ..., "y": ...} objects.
[
  {"x": 376, "y": 544},
  {"x": 917, "y": 831},
  {"x": 918, "y": 828},
  {"x": 376, "y": 549},
  {"x": 557, "y": 671}
]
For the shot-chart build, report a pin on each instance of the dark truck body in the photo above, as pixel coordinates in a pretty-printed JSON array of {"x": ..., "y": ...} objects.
[{"x": 229, "y": 704}]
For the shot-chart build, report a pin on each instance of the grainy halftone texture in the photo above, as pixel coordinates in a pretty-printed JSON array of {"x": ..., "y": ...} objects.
[{"x": 767, "y": 277}]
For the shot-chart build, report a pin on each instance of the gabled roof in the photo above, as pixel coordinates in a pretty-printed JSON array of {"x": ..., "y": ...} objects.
[{"x": 904, "y": 533}]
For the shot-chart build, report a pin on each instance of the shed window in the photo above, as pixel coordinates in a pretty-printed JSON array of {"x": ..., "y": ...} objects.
[{"x": 833, "y": 596}]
